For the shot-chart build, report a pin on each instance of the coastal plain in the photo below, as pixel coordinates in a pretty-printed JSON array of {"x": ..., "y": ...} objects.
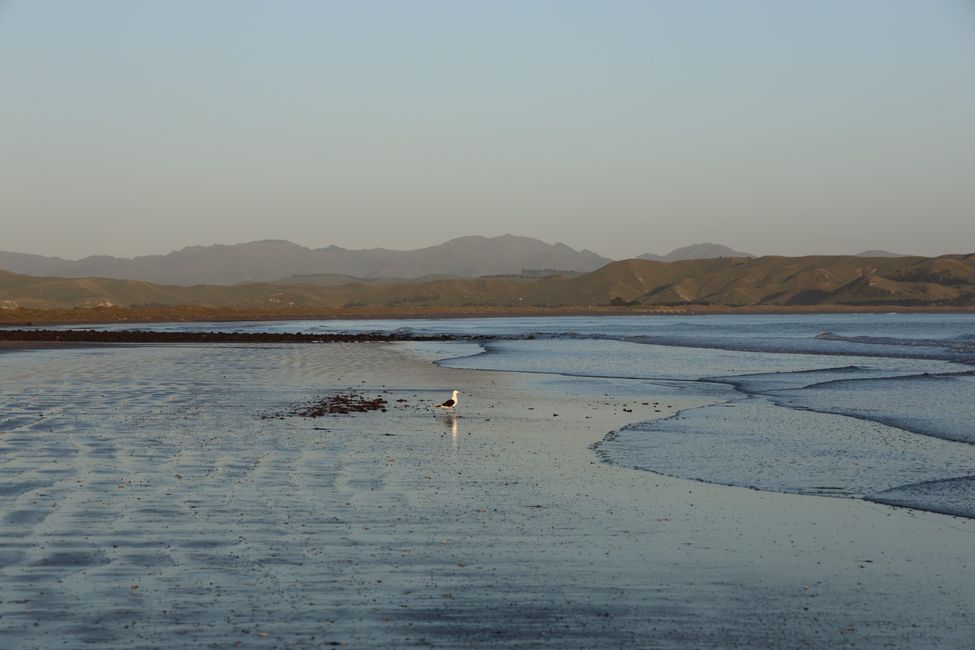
[{"x": 167, "y": 496}]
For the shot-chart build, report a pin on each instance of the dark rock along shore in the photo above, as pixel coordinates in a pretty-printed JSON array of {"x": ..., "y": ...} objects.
[{"x": 142, "y": 336}]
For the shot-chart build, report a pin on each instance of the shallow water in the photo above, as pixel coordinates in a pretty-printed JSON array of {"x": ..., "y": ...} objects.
[
  {"x": 856, "y": 390},
  {"x": 145, "y": 502},
  {"x": 854, "y": 415}
]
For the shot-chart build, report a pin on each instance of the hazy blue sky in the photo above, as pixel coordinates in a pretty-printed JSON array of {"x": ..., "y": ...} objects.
[{"x": 774, "y": 126}]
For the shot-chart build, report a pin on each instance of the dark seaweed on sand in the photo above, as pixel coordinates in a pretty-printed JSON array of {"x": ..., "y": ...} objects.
[{"x": 338, "y": 404}]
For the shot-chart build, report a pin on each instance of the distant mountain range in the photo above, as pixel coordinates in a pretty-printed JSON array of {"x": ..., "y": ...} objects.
[
  {"x": 269, "y": 260},
  {"x": 880, "y": 253},
  {"x": 705, "y": 251},
  {"x": 948, "y": 280},
  {"x": 287, "y": 262}
]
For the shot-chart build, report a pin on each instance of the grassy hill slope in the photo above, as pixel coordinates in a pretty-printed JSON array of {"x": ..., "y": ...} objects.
[{"x": 732, "y": 282}]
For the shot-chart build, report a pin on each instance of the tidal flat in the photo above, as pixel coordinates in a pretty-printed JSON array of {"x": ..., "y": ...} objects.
[{"x": 167, "y": 496}]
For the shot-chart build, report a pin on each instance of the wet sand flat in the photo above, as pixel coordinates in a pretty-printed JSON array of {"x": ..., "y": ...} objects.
[{"x": 162, "y": 496}]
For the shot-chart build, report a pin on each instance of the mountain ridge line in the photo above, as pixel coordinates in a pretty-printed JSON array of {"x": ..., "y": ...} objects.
[{"x": 772, "y": 282}]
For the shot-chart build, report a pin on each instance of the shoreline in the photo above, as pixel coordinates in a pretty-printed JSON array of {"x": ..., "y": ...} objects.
[
  {"x": 157, "y": 337},
  {"x": 198, "y": 314}
]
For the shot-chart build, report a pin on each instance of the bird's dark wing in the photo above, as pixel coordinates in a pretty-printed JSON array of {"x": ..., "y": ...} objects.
[{"x": 448, "y": 403}]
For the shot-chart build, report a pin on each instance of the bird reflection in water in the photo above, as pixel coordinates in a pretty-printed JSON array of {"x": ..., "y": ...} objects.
[{"x": 451, "y": 422}]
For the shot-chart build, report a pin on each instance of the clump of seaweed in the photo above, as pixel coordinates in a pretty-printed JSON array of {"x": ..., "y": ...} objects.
[
  {"x": 341, "y": 404},
  {"x": 337, "y": 404}
]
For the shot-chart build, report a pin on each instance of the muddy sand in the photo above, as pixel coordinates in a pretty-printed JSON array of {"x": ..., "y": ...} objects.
[{"x": 171, "y": 496}]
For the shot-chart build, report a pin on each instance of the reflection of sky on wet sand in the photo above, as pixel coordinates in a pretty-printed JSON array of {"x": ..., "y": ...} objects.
[
  {"x": 152, "y": 489},
  {"x": 158, "y": 472}
]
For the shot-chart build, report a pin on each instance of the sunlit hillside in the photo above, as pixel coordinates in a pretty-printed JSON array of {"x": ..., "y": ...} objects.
[{"x": 733, "y": 282}]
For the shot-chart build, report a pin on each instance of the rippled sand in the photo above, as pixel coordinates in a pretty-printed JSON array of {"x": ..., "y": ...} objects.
[{"x": 148, "y": 500}]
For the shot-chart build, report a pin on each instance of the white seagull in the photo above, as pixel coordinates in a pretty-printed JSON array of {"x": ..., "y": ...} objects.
[{"x": 451, "y": 403}]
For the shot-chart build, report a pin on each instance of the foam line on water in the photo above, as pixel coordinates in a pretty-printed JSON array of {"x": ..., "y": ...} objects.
[
  {"x": 954, "y": 496},
  {"x": 755, "y": 443}
]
